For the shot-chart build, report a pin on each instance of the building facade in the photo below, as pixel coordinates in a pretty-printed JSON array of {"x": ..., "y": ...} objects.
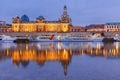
[
  {"x": 77, "y": 29},
  {"x": 112, "y": 27},
  {"x": 95, "y": 28},
  {"x": 4, "y": 27},
  {"x": 2, "y": 23},
  {"x": 23, "y": 24}
]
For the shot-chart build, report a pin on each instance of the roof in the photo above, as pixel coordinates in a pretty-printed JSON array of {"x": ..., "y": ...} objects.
[
  {"x": 77, "y": 27},
  {"x": 25, "y": 18},
  {"x": 40, "y": 17},
  {"x": 113, "y": 23},
  {"x": 52, "y": 22},
  {"x": 95, "y": 26}
]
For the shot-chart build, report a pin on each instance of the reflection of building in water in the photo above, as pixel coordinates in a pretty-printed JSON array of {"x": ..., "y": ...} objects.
[
  {"x": 22, "y": 54},
  {"x": 108, "y": 50},
  {"x": 25, "y": 53}
]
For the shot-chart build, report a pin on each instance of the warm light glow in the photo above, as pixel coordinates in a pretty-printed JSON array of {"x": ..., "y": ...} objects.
[{"x": 41, "y": 27}]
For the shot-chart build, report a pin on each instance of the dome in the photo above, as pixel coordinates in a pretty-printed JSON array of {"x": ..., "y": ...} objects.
[
  {"x": 25, "y": 18},
  {"x": 40, "y": 17}
]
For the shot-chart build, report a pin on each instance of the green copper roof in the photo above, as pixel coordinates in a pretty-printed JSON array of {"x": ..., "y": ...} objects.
[{"x": 113, "y": 23}]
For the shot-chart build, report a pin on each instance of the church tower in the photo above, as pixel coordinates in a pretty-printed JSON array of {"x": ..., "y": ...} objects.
[
  {"x": 65, "y": 12},
  {"x": 65, "y": 17}
]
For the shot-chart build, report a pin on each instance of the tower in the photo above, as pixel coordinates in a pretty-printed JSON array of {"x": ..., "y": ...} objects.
[
  {"x": 65, "y": 17},
  {"x": 16, "y": 20},
  {"x": 65, "y": 12}
]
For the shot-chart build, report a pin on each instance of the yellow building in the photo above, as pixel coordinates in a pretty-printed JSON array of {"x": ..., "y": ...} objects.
[{"x": 41, "y": 25}]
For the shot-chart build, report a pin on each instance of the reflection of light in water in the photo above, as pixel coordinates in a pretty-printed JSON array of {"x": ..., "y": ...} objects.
[
  {"x": 59, "y": 45},
  {"x": 59, "y": 38},
  {"x": 91, "y": 51},
  {"x": 52, "y": 45},
  {"x": 98, "y": 46},
  {"x": 110, "y": 51},
  {"x": 64, "y": 51},
  {"x": 46, "y": 51},
  {"x": 104, "y": 52},
  {"x": 7, "y": 51},
  {"x": 7, "y": 45},
  {"x": 96, "y": 51},
  {"x": 82, "y": 51},
  {"x": 26, "y": 46},
  {"x": 75, "y": 48},
  {"x": 117, "y": 45},
  {"x": 70, "y": 50},
  {"x": 114, "y": 52},
  {"x": 89, "y": 44},
  {"x": 62, "y": 54},
  {"x": 39, "y": 46}
]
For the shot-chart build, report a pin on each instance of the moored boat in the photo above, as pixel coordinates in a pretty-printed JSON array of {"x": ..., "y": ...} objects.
[
  {"x": 41, "y": 38},
  {"x": 97, "y": 39},
  {"x": 116, "y": 39},
  {"x": 80, "y": 39},
  {"x": 5, "y": 38},
  {"x": 65, "y": 38},
  {"x": 58, "y": 39}
]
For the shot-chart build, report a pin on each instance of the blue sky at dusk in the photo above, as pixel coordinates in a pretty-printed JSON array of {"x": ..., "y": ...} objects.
[{"x": 82, "y": 12}]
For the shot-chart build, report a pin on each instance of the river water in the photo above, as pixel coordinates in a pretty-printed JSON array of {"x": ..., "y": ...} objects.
[{"x": 60, "y": 61}]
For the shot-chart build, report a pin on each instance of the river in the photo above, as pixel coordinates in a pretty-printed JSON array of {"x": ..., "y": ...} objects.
[{"x": 60, "y": 61}]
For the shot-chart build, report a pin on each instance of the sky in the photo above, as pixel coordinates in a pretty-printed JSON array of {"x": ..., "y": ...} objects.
[{"x": 82, "y": 12}]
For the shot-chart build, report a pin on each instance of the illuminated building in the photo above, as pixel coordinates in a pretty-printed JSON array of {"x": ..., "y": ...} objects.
[
  {"x": 112, "y": 27},
  {"x": 95, "y": 28},
  {"x": 23, "y": 24},
  {"x": 77, "y": 29},
  {"x": 5, "y": 27},
  {"x": 2, "y": 23}
]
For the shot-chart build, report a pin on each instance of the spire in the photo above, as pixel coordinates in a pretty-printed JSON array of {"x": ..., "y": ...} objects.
[
  {"x": 65, "y": 7},
  {"x": 65, "y": 11},
  {"x": 65, "y": 70},
  {"x": 65, "y": 17}
]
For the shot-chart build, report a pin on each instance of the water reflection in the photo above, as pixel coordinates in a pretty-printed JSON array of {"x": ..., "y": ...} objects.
[{"x": 22, "y": 54}]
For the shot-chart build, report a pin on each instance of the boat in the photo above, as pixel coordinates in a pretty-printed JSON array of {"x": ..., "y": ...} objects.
[
  {"x": 42, "y": 38},
  {"x": 22, "y": 39},
  {"x": 65, "y": 38},
  {"x": 62, "y": 38},
  {"x": 49, "y": 38},
  {"x": 58, "y": 38},
  {"x": 80, "y": 39},
  {"x": 97, "y": 39},
  {"x": 116, "y": 39},
  {"x": 5, "y": 38},
  {"x": 89, "y": 38}
]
